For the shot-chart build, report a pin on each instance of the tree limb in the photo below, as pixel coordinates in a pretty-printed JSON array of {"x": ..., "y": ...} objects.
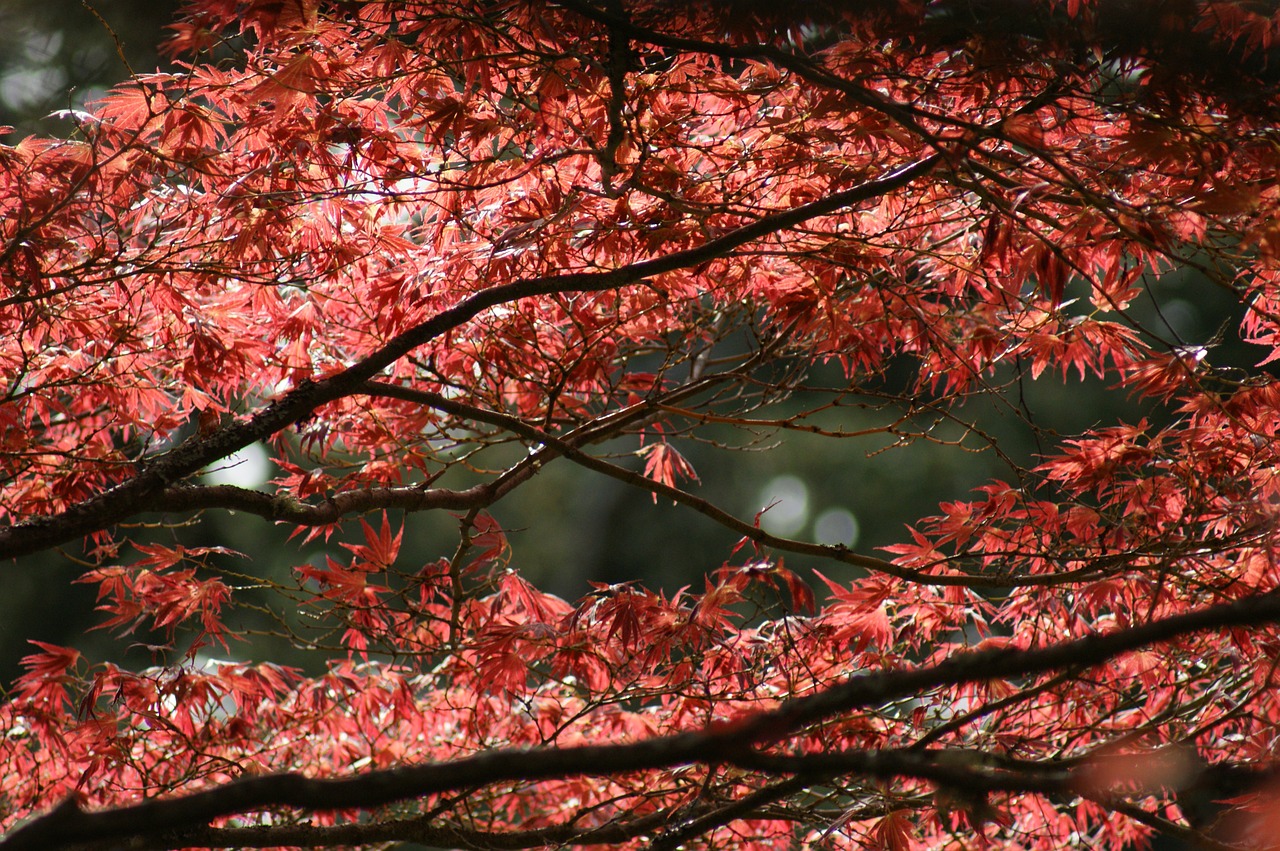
[
  {"x": 732, "y": 743},
  {"x": 144, "y": 492}
]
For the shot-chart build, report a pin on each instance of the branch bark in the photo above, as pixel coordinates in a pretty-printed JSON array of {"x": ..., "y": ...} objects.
[
  {"x": 146, "y": 490},
  {"x": 734, "y": 744}
]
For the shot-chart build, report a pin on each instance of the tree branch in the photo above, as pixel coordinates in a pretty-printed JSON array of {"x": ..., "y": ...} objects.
[
  {"x": 424, "y": 830},
  {"x": 286, "y": 508},
  {"x": 734, "y": 743},
  {"x": 145, "y": 491}
]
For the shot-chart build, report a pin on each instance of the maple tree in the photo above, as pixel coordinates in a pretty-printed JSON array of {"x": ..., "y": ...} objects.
[{"x": 421, "y": 250}]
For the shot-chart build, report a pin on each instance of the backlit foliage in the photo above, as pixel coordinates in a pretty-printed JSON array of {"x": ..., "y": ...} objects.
[{"x": 422, "y": 249}]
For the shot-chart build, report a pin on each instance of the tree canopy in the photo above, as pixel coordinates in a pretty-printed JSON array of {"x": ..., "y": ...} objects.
[{"x": 418, "y": 252}]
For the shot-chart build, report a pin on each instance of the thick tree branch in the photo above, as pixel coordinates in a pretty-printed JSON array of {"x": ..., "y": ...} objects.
[
  {"x": 284, "y": 508},
  {"x": 425, "y": 830},
  {"x": 733, "y": 744},
  {"x": 617, "y": 65},
  {"x": 691, "y": 827},
  {"x": 144, "y": 492},
  {"x": 904, "y": 114}
]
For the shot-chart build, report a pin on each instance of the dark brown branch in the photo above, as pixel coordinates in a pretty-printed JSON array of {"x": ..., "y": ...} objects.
[
  {"x": 285, "y": 508},
  {"x": 1191, "y": 837},
  {"x": 617, "y": 66},
  {"x": 960, "y": 769},
  {"x": 144, "y": 492},
  {"x": 905, "y": 114},
  {"x": 422, "y": 830},
  {"x": 1005, "y": 663},
  {"x": 734, "y": 744},
  {"x": 692, "y": 827},
  {"x": 570, "y": 446},
  {"x": 1206, "y": 57}
]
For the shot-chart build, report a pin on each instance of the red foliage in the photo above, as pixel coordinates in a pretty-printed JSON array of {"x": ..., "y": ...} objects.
[{"x": 386, "y": 240}]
